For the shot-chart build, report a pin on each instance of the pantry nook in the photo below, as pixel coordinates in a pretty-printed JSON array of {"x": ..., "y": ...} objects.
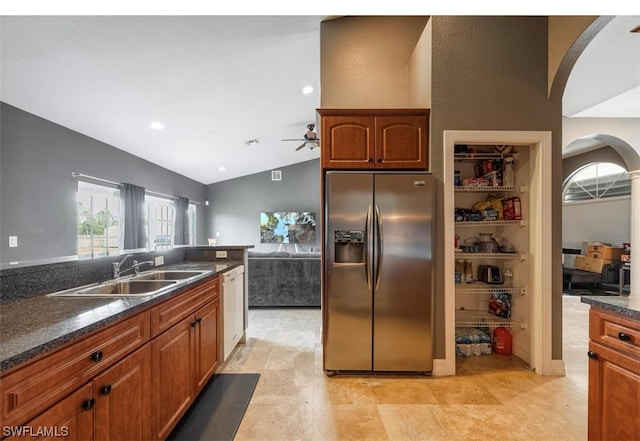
[{"x": 498, "y": 236}]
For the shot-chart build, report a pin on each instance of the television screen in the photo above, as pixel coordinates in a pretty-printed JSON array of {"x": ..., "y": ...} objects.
[{"x": 288, "y": 227}]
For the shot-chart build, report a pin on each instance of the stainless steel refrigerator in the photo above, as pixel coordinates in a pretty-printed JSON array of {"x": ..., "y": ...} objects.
[{"x": 377, "y": 284}]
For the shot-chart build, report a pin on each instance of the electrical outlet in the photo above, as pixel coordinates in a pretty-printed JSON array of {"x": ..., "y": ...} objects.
[
  {"x": 159, "y": 261},
  {"x": 221, "y": 254},
  {"x": 13, "y": 241}
]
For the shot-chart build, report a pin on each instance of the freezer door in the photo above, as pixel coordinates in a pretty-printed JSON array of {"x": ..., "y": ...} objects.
[
  {"x": 402, "y": 333},
  {"x": 347, "y": 315}
]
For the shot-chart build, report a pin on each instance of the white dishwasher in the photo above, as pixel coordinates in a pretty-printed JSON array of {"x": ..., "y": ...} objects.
[{"x": 232, "y": 308}]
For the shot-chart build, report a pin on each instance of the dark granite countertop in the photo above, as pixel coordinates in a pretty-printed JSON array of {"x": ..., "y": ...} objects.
[
  {"x": 36, "y": 325},
  {"x": 623, "y": 305}
]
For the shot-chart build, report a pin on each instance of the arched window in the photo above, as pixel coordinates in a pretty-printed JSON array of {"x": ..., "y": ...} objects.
[{"x": 597, "y": 181}]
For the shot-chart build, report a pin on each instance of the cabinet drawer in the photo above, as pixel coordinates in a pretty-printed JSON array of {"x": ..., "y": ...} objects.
[
  {"x": 30, "y": 390},
  {"x": 615, "y": 331},
  {"x": 172, "y": 311}
]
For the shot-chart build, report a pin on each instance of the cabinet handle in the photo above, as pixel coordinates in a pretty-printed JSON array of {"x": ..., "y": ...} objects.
[
  {"x": 370, "y": 160},
  {"x": 624, "y": 337},
  {"x": 379, "y": 160},
  {"x": 592, "y": 355},
  {"x": 199, "y": 320},
  {"x": 106, "y": 390},
  {"x": 88, "y": 405},
  {"x": 97, "y": 356},
  {"x": 194, "y": 324}
]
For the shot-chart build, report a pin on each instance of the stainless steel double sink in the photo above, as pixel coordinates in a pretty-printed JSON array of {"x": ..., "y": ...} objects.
[{"x": 144, "y": 284}]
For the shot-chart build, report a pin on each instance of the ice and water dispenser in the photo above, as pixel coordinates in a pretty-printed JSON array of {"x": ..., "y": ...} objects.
[{"x": 349, "y": 246}]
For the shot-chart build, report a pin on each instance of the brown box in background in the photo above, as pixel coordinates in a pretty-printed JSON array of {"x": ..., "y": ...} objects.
[
  {"x": 591, "y": 264},
  {"x": 604, "y": 252}
]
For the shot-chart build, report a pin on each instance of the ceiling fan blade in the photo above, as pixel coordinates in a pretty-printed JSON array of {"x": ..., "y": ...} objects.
[
  {"x": 301, "y": 146},
  {"x": 297, "y": 139}
]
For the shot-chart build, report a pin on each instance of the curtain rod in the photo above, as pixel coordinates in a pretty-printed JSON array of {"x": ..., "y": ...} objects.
[{"x": 119, "y": 184}]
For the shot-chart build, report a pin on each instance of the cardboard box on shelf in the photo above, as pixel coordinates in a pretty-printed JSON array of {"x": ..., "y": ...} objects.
[
  {"x": 604, "y": 252},
  {"x": 586, "y": 244},
  {"x": 591, "y": 264}
]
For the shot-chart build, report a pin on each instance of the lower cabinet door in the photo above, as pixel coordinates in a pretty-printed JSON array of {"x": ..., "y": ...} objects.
[
  {"x": 122, "y": 399},
  {"x": 614, "y": 395},
  {"x": 69, "y": 419},
  {"x": 208, "y": 349},
  {"x": 172, "y": 383}
]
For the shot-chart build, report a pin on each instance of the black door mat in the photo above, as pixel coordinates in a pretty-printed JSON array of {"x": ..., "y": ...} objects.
[{"x": 217, "y": 412}]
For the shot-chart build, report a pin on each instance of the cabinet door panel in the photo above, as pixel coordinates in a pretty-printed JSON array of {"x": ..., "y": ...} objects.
[
  {"x": 172, "y": 389},
  {"x": 122, "y": 394},
  {"x": 347, "y": 141},
  {"x": 614, "y": 395},
  {"x": 208, "y": 348},
  {"x": 401, "y": 141},
  {"x": 68, "y": 419}
]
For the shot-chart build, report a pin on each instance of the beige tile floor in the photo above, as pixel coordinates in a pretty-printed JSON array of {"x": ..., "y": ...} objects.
[{"x": 492, "y": 397}]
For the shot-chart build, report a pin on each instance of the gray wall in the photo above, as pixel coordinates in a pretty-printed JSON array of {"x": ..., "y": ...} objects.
[
  {"x": 235, "y": 205},
  {"x": 490, "y": 73},
  {"x": 38, "y": 194}
]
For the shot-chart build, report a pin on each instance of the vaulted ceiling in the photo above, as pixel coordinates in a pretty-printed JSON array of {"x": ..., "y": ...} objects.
[{"x": 226, "y": 88}]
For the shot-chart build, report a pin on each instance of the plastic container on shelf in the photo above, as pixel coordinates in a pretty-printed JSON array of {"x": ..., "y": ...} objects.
[
  {"x": 502, "y": 340},
  {"x": 508, "y": 176}
]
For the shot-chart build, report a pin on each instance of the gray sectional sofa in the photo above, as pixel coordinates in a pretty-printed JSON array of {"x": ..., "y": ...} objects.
[{"x": 280, "y": 278}]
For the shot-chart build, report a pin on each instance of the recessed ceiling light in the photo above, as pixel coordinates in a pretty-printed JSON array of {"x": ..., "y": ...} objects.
[
  {"x": 222, "y": 168},
  {"x": 156, "y": 125},
  {"x": 307, "y": 90}
]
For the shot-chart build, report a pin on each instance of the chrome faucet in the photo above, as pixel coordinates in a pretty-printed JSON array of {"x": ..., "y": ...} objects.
[
  {"x": 136, "y": 265},
  {"x": 117, "y": 265},
  {"x": 117, "y": 272}
]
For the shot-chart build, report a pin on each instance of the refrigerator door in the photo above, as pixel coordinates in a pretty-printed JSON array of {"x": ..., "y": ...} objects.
[
  {"x": 347, "y": 327},
  {"x": 402, "y": 317}
]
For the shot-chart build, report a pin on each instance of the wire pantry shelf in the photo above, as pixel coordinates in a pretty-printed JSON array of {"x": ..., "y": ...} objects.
[
  {"x": 485, "y": 188},
  {"x": 484, "y": 288},
  {"x": 493, "y": 223},
  {"x": 503, "y": 256},
  {"x": 483, "y": 155},
  {"x": 481, "y": 319}
]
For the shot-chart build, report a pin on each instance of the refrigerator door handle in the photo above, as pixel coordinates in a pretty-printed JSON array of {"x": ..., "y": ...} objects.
[
  {"x": 380, "y": 241},
  {"x": 369, "y": 235}
]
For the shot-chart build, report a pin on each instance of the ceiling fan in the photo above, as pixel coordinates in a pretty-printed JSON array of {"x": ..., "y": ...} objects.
[{"x": 310, "y": 140}]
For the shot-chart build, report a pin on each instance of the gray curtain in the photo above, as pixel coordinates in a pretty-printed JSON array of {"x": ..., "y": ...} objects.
[
  {"x": 132, "y": 198},
  {"x": 182, "y": 222}
]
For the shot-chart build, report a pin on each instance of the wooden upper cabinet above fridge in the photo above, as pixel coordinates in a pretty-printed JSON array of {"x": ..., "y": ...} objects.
[{"x": 374, "y": 139}]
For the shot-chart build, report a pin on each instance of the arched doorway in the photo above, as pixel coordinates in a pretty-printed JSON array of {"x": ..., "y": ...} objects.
[{"x": 587, "y": 140}]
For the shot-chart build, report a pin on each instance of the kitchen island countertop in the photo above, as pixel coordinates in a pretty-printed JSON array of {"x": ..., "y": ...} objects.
[{"x": 622, "y": 305}]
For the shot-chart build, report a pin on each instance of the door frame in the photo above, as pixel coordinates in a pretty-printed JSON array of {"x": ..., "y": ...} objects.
[{"x": 540, "y": 291}]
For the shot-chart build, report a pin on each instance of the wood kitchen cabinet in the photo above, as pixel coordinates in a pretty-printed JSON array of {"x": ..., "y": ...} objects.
[
  {"x": 132, "y": 380},
  {"x": 29, "y": 391},
  {"x": 614, "y": 377},
  {"x": 184, "y": 357},
  {"x": 71, "y": 418},
  {"x": 208, "y": 348},
  {"x": 122, "y": 400},
  {"x": 374, "y": 139}
]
